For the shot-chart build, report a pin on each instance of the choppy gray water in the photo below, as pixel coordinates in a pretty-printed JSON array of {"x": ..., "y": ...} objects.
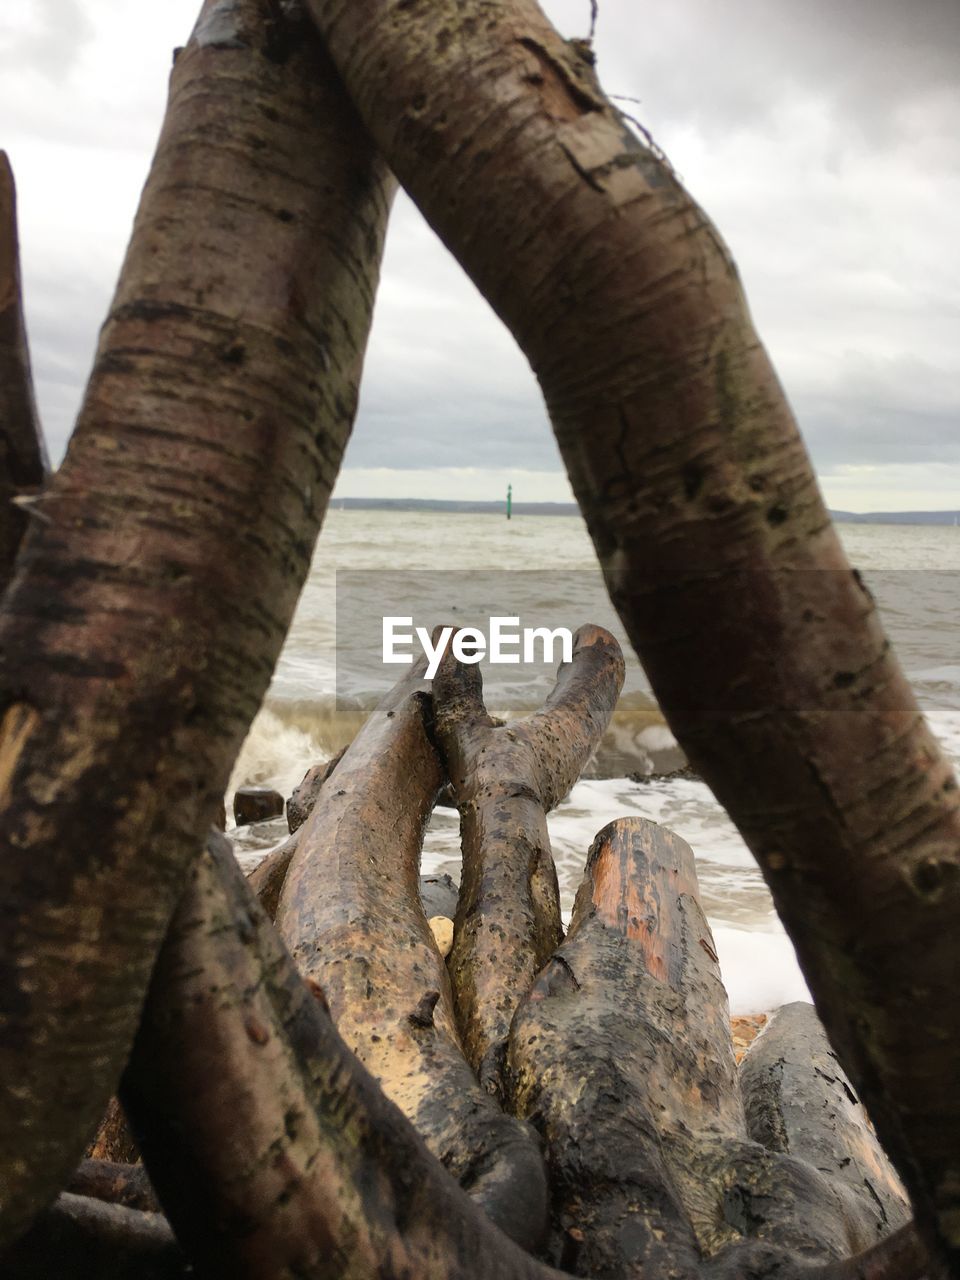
[{"x": 542, "y": 569}]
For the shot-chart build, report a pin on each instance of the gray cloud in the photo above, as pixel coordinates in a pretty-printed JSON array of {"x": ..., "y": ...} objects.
[
  {"x": 821, "y": 138},
  {"x": 46, "y": 36}
]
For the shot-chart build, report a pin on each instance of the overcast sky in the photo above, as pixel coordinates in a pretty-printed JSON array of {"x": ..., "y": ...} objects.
[{"x": 820, "y": 136}]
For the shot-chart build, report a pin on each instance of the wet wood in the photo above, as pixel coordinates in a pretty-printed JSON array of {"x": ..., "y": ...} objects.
[
  {"x": 798, "y": 1099},
  {"x": 506, "y": 778},
  {"x": 622, "y": 1056},
  {"x": 304, "y": 795},
  {"x": 267, "y": 877},
  {"x": 81, "y": 1238},
  {"x": 23, "y": 456},
  {"x": 351, "y": 913},
  {"x": 274, "y": 1152}
]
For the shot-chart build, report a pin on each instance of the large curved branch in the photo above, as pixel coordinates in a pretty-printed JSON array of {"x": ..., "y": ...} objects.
[
  {"x": 762, "y": 646},
  {"x": 273, "y": 1152},
  {"x": 351, "y": 915},
  {"x": 153, "y": 597},
  {"x": 23, "y": 455}
]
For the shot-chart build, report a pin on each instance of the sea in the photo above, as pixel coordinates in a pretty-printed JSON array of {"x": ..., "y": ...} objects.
[{"x": 462, "y": 568}]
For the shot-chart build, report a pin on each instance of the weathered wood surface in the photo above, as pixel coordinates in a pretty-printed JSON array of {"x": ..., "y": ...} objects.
[
  {"x": 506, "y": 778},
  {"x": 23, "y": 456},
  {"x": 274, "y": 1152},
  {"x": 621, "y": 1055},
  {"x": 798, "y": 1099},
  {"x": 304, "y": 795},
  {"x": 149, "y": 606},
  {"x": 81, "y": 1238},
  {"x": 762, "y": 645},
  {"x": 267, "y": 877},
  {"x": 351, "y": 913}
]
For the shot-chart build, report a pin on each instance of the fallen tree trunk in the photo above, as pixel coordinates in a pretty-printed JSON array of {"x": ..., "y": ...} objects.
[
  {"x": 23, "y": 455},
  {"x": 79, "y": 1238},
  {"x": 273, "y": 1152},
  {"x": 351, "y": 914},
  {"x": 152, "y": 600},
  {"x": 798, "y": 1100},
  {"x": 505, "y": 779},
  {"x": 763, "y": 647},
  {"x": 622, "y": 1055}
]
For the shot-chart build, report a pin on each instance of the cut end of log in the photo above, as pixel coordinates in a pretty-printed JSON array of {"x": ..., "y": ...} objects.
[{"x": 634, "y": 869}]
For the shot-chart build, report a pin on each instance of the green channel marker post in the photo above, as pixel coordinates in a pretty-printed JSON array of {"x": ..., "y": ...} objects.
[{"x": 509, "y": 499}]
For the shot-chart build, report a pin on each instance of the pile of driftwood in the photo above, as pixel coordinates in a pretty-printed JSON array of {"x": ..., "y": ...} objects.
[{"x": 582, "y": 1090}]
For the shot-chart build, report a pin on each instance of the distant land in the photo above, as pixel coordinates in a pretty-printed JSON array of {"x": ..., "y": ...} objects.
[{"x": 570, "y": 509}]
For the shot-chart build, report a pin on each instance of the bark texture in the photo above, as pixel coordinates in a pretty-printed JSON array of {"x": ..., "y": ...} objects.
[
  {"x": 273, "y": 1151},
  {"x": 798, "y": 1099},
  {"x": 23, "y": 457},
  {"x": 351, "y": 914},
  {"x": 622, "y": 1055},
  {"x": 505, "y": 779},
  {"x": 154, "y": 595},
  {"x": 763, "y": 647}
]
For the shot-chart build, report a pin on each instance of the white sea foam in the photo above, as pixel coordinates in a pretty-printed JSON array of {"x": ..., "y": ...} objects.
[{"x": 302, "y": 722}]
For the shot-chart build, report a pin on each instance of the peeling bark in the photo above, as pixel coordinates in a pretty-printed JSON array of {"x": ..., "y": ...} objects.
[
  {"x": 273, "y": 1151},
  {"x": 763, "y": 647},
  {"x": 505, "y": 779},
  {"x": 351, "y": 914},
  {"x": 153, "y": 597},
  {"x": 23, "y": 455}
]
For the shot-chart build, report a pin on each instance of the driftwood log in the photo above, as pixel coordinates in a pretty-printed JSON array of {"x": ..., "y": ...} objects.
[
  {"x": 273, "y": 1151},
  {"x": 351, "y": 913},
  {"x": 798, "y": 1099},
  {"x": 149, "y": 606},
  {"x": 505, "y": 778},
  {"x": 621, "y": 1054},
  {"x": 762, "y": 644}
]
